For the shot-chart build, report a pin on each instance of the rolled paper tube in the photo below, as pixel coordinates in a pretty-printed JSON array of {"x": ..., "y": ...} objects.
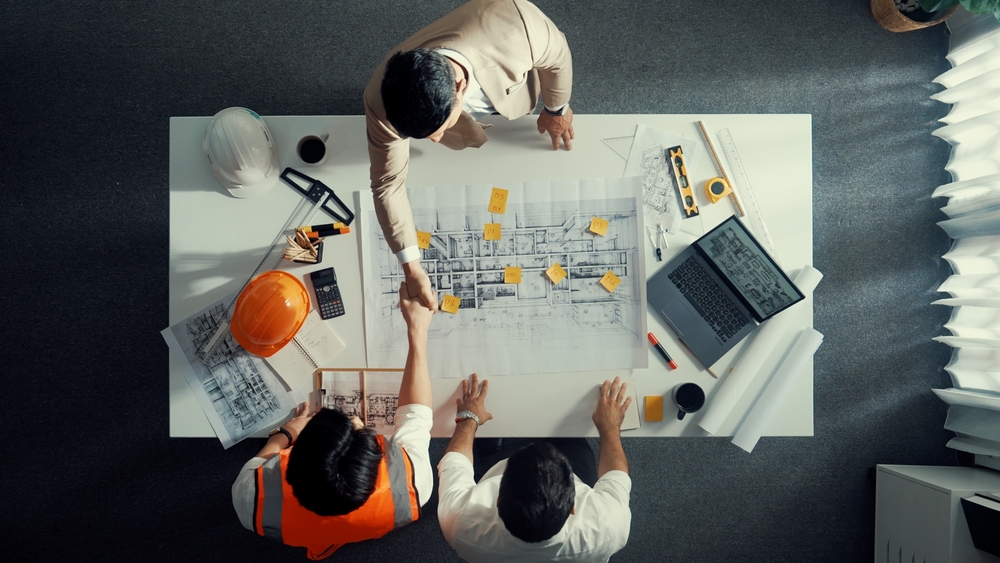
[
  {"x": 749, "y": 364},
  {"x": 791, "y": 369}
]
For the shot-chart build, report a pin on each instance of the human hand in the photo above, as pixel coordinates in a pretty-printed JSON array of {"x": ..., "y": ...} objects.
[
  {"x": 298, "y": 421},
  {"x": 559, "y": 127},
  {"x": 611, "y": 407},
  {"x": 418, "y": 284},
  {"x": 417, "y": 317},
  {"x": 474, "y": 398}
]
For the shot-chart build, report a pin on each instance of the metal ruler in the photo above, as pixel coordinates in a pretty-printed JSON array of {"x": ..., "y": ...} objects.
[
  {"x": 741, "y": 184},
  {"x": 315, "y": 196}
]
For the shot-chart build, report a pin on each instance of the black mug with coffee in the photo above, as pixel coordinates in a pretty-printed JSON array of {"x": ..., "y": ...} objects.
[{"x": 689, "y": 398}]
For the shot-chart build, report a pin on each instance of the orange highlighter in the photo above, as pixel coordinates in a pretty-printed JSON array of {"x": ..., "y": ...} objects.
[{"x": 666, "y": 356}]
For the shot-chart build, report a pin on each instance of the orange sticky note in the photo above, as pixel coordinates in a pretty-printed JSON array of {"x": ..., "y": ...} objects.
[
  {"x": 610, "y": 281},
  {"x": 423, "y": 239},
  {"x": 512, "y": 274},
  {"x": 498, "y": 200},
  {"x": 450, "y": 303},
  {"x": 492, "y": 231},
  {"x": 598, "y": 226},
  {"x": 556, "y": 273},
  {"x": 654, "y": 408}
]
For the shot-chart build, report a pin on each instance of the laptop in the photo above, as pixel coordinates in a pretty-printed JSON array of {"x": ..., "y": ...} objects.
[{"x": 718, "y": 289}]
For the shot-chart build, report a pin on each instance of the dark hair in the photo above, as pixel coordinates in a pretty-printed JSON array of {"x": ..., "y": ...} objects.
[
  {"x": 537, "y": 492},
  {"x": 333, "y": 467},
  {"x": 418, "y": 92}
]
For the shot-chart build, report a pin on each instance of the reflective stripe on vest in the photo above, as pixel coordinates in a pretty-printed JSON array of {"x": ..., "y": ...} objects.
[{"x": 279, "y": 516}]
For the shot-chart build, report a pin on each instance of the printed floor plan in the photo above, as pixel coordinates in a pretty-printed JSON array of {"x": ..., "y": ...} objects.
[{"x": 533, "y": 326}]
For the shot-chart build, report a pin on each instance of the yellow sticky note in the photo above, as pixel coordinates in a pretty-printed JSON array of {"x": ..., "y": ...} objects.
[
  {"x": 492, "y": 231},
  {"x": 498, "y": 200},
  {"x": 610, "y": 281},
  {"x": 450, "y": 303},
  {"x": 598, "y": 226},
  {"x": 423, "y": 239},
  {"x": 512, "y": 274},
  {"x": 654, "y": 408},
  {"x": 556, "y": 273}
]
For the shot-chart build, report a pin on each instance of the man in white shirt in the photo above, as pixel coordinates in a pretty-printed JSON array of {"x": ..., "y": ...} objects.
[
  {"x": 341, "y": 483},
  {"x": 533, "y": 506}
]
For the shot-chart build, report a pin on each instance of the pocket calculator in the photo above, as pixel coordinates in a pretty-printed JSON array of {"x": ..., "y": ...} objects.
[{"x": 327, "y": 293}]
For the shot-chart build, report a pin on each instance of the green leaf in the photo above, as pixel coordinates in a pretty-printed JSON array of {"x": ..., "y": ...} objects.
[
  {"x": 937, "y": 5},
  {"x": 981, "y": 6}
]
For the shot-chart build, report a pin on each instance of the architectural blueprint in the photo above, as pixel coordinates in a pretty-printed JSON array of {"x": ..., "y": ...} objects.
[
  {"x": 535, "y": 326},
  {"x": 646, "y": 159},
  {"x": 371, "y": 396},
  {"x": 238, "y": 392}
]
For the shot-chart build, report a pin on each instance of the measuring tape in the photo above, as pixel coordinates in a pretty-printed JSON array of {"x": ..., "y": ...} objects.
[{"x": 316, "y": 195}]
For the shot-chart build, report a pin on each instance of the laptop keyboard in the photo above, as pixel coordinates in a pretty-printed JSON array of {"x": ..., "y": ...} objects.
[{"x": 703, "y": 292}]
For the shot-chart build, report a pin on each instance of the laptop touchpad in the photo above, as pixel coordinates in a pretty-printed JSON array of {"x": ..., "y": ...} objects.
[{"x": 679, "y": 318}]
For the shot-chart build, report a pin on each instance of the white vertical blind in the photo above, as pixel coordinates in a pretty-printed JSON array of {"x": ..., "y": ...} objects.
[{"x": 972, "y": 127}]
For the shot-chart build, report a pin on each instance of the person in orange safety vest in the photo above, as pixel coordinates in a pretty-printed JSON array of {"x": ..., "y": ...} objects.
[{"x": 341, "y": 483}]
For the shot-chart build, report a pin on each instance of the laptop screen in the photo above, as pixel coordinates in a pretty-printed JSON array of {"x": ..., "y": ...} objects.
[{"x": 751, "y": 272}]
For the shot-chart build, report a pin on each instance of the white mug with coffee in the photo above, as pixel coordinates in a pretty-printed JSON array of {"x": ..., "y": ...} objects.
[{"x": 312, "y": 149}]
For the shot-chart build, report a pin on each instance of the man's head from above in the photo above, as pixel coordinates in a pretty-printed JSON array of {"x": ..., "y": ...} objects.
[
  {"x": 334, "y": 465},
  {"x": 421, "y": 93},
  {"x": 537, "y": 492}
]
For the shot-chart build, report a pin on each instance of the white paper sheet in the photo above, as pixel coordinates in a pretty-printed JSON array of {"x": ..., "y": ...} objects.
[
  {"x": 793, "y": 367},
  {"x": 646, "y": 159},
  {"x": 238, "y": 391},
  {"x": 532, "y": 327},
  {"x": 749, "y": 364}
]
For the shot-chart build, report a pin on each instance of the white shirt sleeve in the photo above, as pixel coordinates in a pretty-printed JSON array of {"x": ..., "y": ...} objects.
[
  {"x": 244, "y": 491},
  {"x": 611, "y": 497},
  {"x": 413, "y": 434},
  {"x": 456, "y": 479},
  {"x": 408, "y": 254}
]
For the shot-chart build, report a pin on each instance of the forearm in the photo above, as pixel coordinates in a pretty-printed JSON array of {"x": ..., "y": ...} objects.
[
  {"x": 462, "y": 439},
  {"x": 612, "y": 455},
  {"x": 416, "y": 385},
  {"x": 274, "y": 445}
]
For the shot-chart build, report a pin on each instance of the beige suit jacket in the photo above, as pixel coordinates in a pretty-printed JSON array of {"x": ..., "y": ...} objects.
[{"x": 516, "y": 52}]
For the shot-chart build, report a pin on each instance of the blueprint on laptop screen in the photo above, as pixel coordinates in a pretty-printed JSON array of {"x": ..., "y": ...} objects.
[{"x": 535, "y": 326}]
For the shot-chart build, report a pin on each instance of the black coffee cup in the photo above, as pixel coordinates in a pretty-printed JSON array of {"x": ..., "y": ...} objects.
[
  {"x": 312, "y": 149},
  {"x": 689, "y": 398}
]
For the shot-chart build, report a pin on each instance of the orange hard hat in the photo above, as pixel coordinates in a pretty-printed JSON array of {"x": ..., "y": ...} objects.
[{"x": 269, "y": 312}]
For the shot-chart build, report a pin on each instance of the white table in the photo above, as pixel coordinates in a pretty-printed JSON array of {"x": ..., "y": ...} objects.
[{"x": 216, "y": 241}]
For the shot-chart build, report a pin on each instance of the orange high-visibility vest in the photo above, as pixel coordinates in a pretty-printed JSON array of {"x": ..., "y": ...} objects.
[{"x": 279, "y": 516}]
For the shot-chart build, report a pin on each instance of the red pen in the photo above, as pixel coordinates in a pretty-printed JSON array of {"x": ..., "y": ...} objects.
[{"x": 662, "y": 352}]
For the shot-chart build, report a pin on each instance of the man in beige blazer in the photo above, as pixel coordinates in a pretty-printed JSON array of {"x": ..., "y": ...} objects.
[{"x": 495, "y": 56}]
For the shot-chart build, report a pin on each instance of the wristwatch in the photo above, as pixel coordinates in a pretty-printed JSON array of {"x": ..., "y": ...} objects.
[
  {"x": 467, "y": 414},
  {"x": 283, "y": 431},
  {"x": 562, "y": 110}
]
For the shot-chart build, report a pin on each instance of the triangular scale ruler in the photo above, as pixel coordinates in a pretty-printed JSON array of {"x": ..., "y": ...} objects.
[{"x": 621, "y": 145}]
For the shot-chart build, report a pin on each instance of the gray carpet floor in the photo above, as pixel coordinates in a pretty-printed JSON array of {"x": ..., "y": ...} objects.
[{"x": 86, "y": 92}]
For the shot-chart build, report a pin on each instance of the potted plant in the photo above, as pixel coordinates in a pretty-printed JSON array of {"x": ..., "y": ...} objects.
[{"x": 907, "y": 15}]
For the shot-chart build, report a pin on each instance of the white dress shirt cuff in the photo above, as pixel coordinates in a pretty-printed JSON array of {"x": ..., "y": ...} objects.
[
  {"x": 408, "y": 254},
  {"x": 556, "y": 109}
]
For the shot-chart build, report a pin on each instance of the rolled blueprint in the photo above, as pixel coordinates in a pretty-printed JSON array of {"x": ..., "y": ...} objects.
[
  {"x": 767, "y": 406},
  {"x": 748, "y": 366}
]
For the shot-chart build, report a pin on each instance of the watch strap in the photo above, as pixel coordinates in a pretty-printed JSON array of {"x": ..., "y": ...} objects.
[
  {"x": 285, "y": 432},
  {"x": 467, "y": 414}
]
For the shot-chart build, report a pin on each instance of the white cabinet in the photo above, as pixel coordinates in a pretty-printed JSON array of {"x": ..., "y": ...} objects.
[{"x": 918, "y": 513}]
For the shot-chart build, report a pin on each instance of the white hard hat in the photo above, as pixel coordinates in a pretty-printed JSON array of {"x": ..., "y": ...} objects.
[{"x": 241, "y": 152}]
